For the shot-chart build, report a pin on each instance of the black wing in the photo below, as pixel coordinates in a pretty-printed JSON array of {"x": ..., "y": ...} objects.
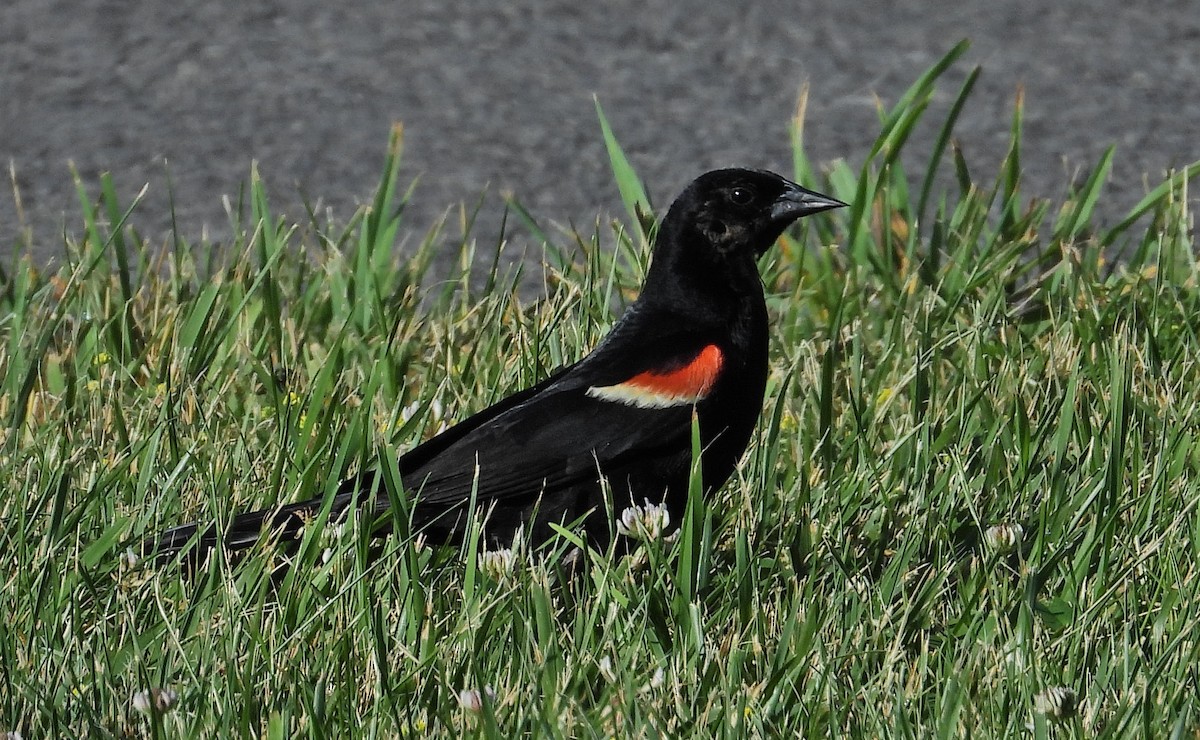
[{"x": 556, "y": 435}]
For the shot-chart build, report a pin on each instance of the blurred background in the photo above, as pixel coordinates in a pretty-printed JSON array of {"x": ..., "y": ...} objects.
[{"x": 498, "y": 96}]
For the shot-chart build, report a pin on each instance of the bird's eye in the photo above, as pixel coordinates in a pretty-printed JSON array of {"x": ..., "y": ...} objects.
[{"x": 741, "y": 196}]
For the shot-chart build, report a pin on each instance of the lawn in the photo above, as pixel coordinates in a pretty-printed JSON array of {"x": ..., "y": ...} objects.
[{"x": 970, "y": 507}]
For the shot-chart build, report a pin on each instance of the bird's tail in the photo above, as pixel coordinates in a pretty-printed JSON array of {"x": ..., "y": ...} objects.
[
  {"x": 283, "y": 523},
  {"x": 198, "y": 541}
]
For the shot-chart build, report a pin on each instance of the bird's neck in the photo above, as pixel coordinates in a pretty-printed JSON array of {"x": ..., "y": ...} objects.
[
  {"x": 701, "y": 278},
  {"x": 709, "y": 292}
]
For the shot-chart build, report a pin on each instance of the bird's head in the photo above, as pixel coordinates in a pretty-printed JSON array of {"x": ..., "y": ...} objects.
[{"x": 740, "y": 213}]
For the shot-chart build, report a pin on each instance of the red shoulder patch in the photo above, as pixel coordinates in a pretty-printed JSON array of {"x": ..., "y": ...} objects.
[{"x": 686, "y": 384}]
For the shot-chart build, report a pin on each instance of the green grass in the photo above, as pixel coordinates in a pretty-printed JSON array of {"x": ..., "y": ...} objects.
[{"x": 943, "y": 361}]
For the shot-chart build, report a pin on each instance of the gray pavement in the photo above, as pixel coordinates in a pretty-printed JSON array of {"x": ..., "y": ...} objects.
[{"x": 499, "y": 94}]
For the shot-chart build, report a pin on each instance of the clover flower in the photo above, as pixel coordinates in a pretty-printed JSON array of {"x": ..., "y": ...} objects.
[
  {"x": 1057, "y": 702},
  {"x": 472, "y": 699},
  {"x": 497, "y": 564},
  {"x": 644, "y": 522},
  {"x": 1004, "y": 538},
  {"x": 159, "y": 700}
]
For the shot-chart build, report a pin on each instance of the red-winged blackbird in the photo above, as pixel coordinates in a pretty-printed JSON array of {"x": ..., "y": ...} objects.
[{"x": 695, "y": 340}]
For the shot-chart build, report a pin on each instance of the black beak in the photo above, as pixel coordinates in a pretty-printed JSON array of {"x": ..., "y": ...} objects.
[{"x": 797, "y": 202}]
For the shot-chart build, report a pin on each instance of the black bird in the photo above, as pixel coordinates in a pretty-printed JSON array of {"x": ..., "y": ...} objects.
[{"x": 694, "y": 341}]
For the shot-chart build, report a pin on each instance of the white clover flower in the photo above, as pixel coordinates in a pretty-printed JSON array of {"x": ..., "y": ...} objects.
[
  {"x": 408, "y": 412},
  {"x": 644, "y": 522},
  {"x": 606, "y": 669},
  {"x": 1057, "y": 702},
  {"x": 128, "y": 560},
  {"x": 437, "y": 413},
  {"x": 160, "y": 700},
  {"x": 472, "y": 699},
  {"x": 331, "y": 536},
  {"x": 1004, "y": 538},
  {"x": 497, "y": 564},
  {"x": 10, "y": 735},
  {"x": 658, "y": 679}
]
